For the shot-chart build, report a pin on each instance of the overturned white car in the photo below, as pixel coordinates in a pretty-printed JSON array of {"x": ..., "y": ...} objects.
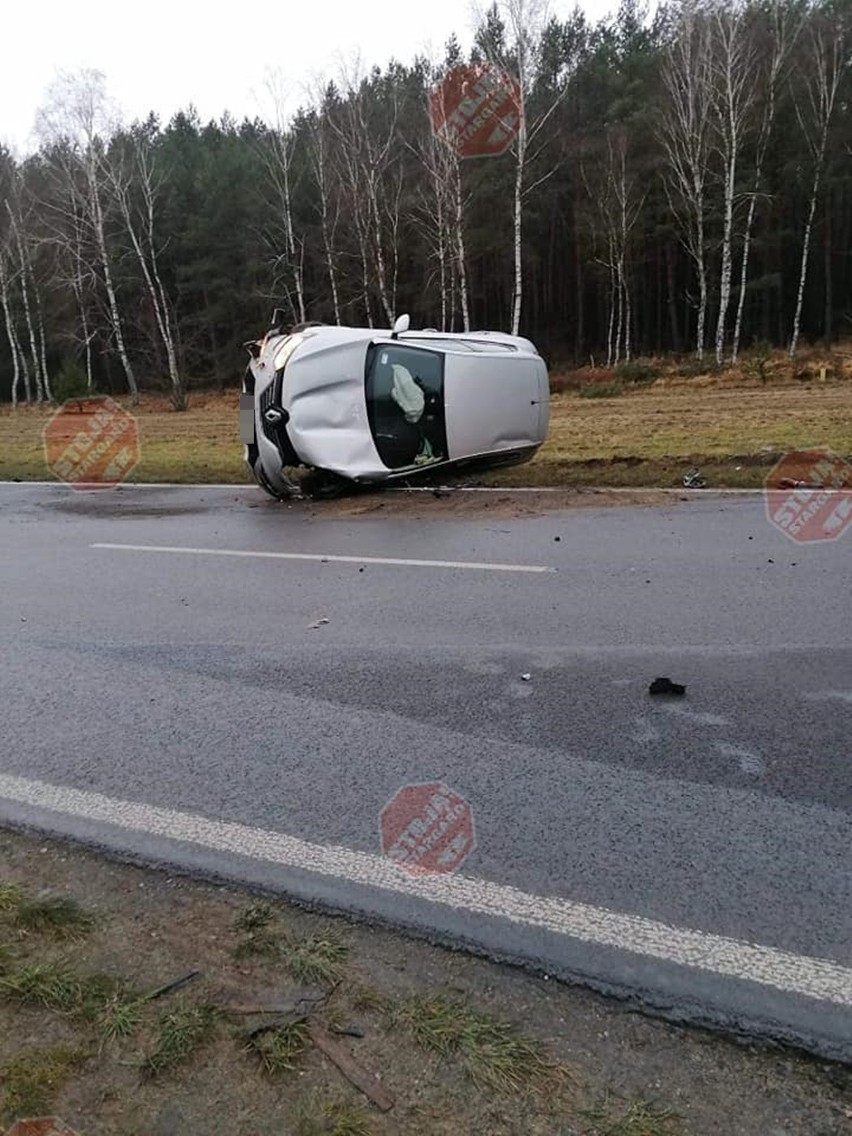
[{"x": 370, "y": 406}]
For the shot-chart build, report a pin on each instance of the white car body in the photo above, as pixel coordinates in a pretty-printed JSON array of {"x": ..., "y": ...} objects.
[{"x": 322, "y": 397}]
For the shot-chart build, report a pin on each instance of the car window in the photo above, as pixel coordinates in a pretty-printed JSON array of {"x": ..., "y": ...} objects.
[{"x": 405, "y": 404}]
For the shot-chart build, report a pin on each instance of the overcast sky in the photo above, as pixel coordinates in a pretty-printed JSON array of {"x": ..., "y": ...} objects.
[{"x": 162, "y": 55}]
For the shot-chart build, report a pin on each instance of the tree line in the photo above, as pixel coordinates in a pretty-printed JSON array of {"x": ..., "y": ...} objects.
[{"x": 679, "y": 184}]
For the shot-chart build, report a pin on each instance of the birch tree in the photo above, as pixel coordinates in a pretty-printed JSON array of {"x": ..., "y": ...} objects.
[
  {"x": 733, "y": 73},
  {"x": 8, "y": 276},
  {"x": 328, "y": 205},
  {"x": 25, "y": 285},
  {"x": 821, "y": 71},
  {"x": 77, "y": 121},
  {"x": 783, "y": 27},
  {"x": 135, "y": 187},
  {"x": 526, "y": 22},
  {"x": 685, "y": 136},
  {"x": 617, "y": 203},
  {"x": 278, "y": 154},
  {"x": 367, "y": 149},
  {"x": 442, "y": 207}
]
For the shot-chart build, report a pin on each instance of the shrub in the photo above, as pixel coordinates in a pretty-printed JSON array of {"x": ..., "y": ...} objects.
[
  {"x": 70, "y": 382},
  {"x": 636, "y": 371},
  {"x": 601, "y": 390}
]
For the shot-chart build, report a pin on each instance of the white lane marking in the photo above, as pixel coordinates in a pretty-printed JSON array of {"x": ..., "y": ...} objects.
[
  {"x": 830, "y": 695},
  {"x": 644, "y": 732},
  {"x": 795, "y": 974},
  {"x": 700, "y": 716},
  {"x": 323, "y": 558},
  {"x": 749, "y": 761}
]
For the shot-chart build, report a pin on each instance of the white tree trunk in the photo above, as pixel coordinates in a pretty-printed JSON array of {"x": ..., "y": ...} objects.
[
  {"x": 10, "y": 331},
  {"x": 115, "y": 317},
  {"x": 825, "y": 69},
  {"x": 23, "y": 273},
  {"x": 803, "y": 267},
  {"x": 517, "y": 234},
  {"x": 146, "y": 256},
  {"x": 461, "y": 261}
]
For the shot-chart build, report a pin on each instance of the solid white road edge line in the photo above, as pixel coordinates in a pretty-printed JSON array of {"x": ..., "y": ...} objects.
[
  {"x": 323, "y": 557},
  {"x": 794, "y": 974}
]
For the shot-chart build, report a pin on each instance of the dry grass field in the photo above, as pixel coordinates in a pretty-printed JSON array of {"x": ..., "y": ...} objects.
[{"x": 733, "y": 425}]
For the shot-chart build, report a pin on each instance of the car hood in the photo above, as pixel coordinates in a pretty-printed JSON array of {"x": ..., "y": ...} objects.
[{"x": 324, "y": 393}]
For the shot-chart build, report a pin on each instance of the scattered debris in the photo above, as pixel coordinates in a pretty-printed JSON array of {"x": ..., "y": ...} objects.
[
  {"x": 666, "y": 686},
  {"x": 692, "y": 479},
  {"x": 171, "y": 987},
  {"x": 348, "y": 1031},
  {"x": 351, "y": 1069}
]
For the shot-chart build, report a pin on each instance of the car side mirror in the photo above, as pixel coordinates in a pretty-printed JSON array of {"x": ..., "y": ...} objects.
[{"x": 401, "y": 323}]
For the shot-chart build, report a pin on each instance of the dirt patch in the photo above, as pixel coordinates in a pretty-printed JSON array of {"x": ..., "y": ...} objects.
[
  {"x": 455, "y": 504},
  {"x": 92, "y": 1028}
]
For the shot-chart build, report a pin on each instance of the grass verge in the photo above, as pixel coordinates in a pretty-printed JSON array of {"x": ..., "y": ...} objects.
[
  {"x": 33, "y": 1077},
  {"x": 645, "y": 435}
]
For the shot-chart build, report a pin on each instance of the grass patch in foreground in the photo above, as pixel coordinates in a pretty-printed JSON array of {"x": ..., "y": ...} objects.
[
  {"x": 316, "y": 959},
  {"x": 331, "y": 1118},
  {"x": 280, "y": 1048},
  {"x": 33, "y": 1077},
  {"x": 493, "y": 1053},
  {"x": 10, "y": 896},
  {"x": 181, "y": 1033},
  {"x": 639, "y": 1119},
  {"x": 50, "y": 985},
  {"x": 57, "y": 916}
]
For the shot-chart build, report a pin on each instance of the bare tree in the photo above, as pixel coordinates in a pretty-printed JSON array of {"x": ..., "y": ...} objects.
[
  {"x": 733, "y": 93},
  {"x": 442, "y": 208},
  {"x": 822, "y": 66},
  {"x": 526, "y": 22},
  {"x": 278, "y": 152},
  {"x": 367, "y": 150},
  {"x": 135, "y": 187},
  {"x": 329, "y": 205},
  {"x": 783, "y": 28},
  {"x": 617, "y": 203},
  {"x": 24, "y": 283},
  {"x": 19, "y": 363},
  {"x": 685, "y": 134},
  {"x": 77, "y": 121}
]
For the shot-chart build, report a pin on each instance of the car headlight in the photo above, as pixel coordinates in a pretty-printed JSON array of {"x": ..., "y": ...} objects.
[{"x": 286, "y": 350}]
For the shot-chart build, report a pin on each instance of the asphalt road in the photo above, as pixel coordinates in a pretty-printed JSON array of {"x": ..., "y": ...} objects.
[{"x": 693, "y": 854}]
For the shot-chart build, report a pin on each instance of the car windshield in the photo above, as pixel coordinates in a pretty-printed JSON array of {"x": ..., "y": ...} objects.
[{"x": 405, "y": 404}]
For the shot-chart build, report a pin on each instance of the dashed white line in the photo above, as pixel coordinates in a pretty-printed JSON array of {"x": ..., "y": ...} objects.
[
  {"x": 322, "y": 558},
  {"x": 803, "y": 975}
]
